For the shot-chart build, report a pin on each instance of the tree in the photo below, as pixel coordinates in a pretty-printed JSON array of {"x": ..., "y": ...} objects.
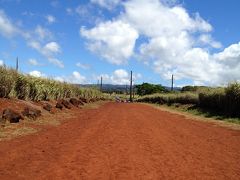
[{"x": 147, "y": 88}]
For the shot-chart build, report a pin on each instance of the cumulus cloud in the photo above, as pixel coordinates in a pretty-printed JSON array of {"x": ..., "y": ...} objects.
[
  {"x": 56, "y": 62},
  {"x": 49, "y": 50},
  {"x": 206, "y": 39},
  {"x": 175, "y": 42},
  {"x": 33, "y": 62},
  {"x": 112, "y": 40},
  {"x": 83, "y": 66},
  {"x": 109, "y": 4},
  {"x": 74, "y": 78},
  {"x": 39, "y": 39},
  {"x": 119, "y": 76},
  {"x": 51, "y": 19},
  {"x": 1, "y": 62},
  {"x": 36, "y": 73},
  {"x": 7, "y": 29},
  {"x": 43, "y": 33}
]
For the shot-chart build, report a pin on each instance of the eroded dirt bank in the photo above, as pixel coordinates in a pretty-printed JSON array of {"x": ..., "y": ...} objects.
[{"x": 124, "y": 141}]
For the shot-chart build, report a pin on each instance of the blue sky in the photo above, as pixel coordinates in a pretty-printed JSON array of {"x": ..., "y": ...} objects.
[{"x": 79, "y": 41}]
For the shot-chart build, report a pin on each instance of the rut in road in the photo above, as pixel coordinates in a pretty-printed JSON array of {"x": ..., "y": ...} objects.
[{"x": 124, "y": 141}]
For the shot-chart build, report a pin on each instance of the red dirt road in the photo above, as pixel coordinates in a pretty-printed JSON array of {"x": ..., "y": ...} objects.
[{"x": 124, "y": 141}]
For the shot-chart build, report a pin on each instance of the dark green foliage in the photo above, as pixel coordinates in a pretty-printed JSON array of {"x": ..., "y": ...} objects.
[
  {"x": 225, "y": 101},
  {"x": 233, "y": 99},
  {"x": 196, "y": 89},
  {"x": 146, "y": 88}
]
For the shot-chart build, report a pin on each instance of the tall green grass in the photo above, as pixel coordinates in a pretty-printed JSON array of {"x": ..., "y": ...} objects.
[
  {"x": 225, "y": 101},
  {"x": 170, "y": 98},
  {"x": 17, "y": 85}
]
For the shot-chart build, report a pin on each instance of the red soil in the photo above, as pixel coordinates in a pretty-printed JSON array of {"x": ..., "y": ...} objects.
[{"x": 124, "y": 141}]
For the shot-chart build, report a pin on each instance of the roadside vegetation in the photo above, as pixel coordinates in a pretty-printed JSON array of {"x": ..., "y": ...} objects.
[
  {"x": 220, "y": 102},
  {"x": 26, "y": 87}
]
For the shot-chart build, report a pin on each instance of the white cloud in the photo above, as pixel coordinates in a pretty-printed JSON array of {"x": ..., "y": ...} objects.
[
  {"x": 56, "y": 62},
  {"x": 172, "y": 43},
  {"x": 83, "y": 66},
  {"x": 34, "y": 39},
  {"x": 109, "y": 4},
  {"x": 58, "y": 78},
  {"x": 119, "y": 76},
  {"x": 51, "y": 48},
  {"x": 7, "y": 29},
  {"x": 159, "y": 20},
  {"x": 113, "y": 40},
  {"x": 77, "y": 78},
  {"x": 33, "y": 62},
  {"x": 208, "y": 40},
  {"x": 36, "y": 74},
  {"x": 55, "y": 3},
  {"x": 69, "y": 11},
  {"x": 1, "y": 62},
  {"x": 176, "y": 42},
  {"x": 51, "y": 19},
  {"x": 74, "y": 78},
  {"x": 43, "y": 33}
]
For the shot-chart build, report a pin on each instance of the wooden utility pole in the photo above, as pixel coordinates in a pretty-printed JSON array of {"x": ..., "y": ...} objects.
[
  {"x": 101, "y": 84},
  {"x": 131, "y": 99},
  {"x": 172, "y": 83},
  {"x": 133, "y": 91},
  {"x": 17, "y": 64}
]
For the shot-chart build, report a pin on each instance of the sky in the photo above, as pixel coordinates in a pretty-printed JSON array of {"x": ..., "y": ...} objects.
[{"x": 198, "y": 41}]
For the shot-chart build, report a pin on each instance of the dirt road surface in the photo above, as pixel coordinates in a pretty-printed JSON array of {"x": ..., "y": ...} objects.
[{"x": 124, "y": 141}]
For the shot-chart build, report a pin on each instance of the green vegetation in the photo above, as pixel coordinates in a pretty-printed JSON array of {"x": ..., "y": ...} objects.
[
  {"x": 146, "y": 88},
  {"x": 170, "y": 98},
  {"x": 215, "y": 101},
  {"x": 17, "y": 85}
]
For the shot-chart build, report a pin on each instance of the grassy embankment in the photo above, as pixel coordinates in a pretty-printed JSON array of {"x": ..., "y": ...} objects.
[
  {"x": 25, "y": 87},
  {"x": 219, "y": 103}
]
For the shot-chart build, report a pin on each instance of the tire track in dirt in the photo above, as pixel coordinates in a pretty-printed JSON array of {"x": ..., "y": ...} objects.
[{"x": 124, "y": 141}]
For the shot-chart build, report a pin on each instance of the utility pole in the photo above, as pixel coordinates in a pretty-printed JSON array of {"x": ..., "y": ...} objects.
[
  {"x": 172, "y": 83},
  {"x": 133, "y": 91},
  {"x": 17, "y": 64},
  {"x": 131, "y": 99},
  {"x": 101, "y": 85}
]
